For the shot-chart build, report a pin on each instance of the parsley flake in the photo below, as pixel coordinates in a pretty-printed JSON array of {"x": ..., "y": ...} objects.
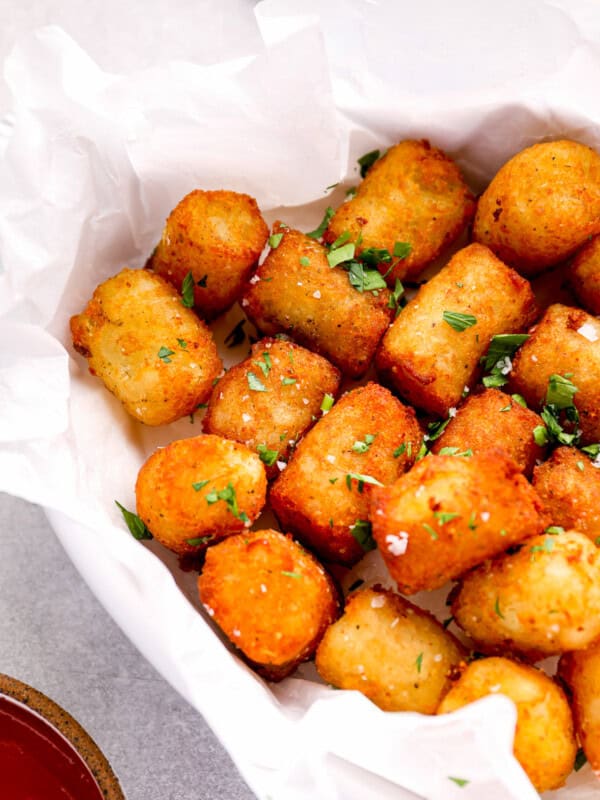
[
  {"x": 419, "y": 662},
  {"x": 268, "y": 457},
  {"x": 399, "y": 450},
  {"x": 187, "y": 291},
  {"x": 580, "y": 760},
  {"x": 362, "y": 447},
  {"x": 322, "y": 227},
  {"x": 275, "y": 240},
  {"x": 361, "y": 480},
  {"x": 199, "y": 540},
  {"x": 136, "y": 526},
  {"x": 305, "y": 261},
  {"x": 361, "y": 530},
  {"x": 402, "y": 249},
  {"x": 164, "y": 354},
  {"x": 454, "y": 451},
  {"x": 430, "y": 531},
  {"x": 291, "y": 574},
  {"x": 554, "y": 530},
  {"x": 340, "y": 254},
  {"x": 288, "y": 381},
  {"x": 182, "y": 343},
  {"x": 460, "y": 322},
  {"x": 197, "y": 486},
  {"x": 254, "y": 383},
  {"x": 228, "y": 496},
  {"x": 265, "y": 366},
  {"x": 459, "y": 781},
  {"x": 445, "y": 516},
  {"x": 327, "y": 402},
  {"x": 366, "y": 162},
  {"x": 497, "y": 608}
]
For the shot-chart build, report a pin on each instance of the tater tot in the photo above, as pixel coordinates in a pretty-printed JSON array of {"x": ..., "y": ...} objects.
[
  {"x": 396, "y": 654},
  {"x": 270, "y": 399},
  {"x": 581, "y": 673},
  {"x": 541, "y": 205},
  {"x": 414, "y": 194},
  {"x": 432, "y": 350},
  {"x": 492, "y": 420},
  {"x": 565, "y": 342},
  {"x": 218, "y": 237},
  {"x": 295, "y": 291},
  {"x": 584, "y": 274},
  {"x": 368, "y": 437},
  {"x": 448, "y": 514},
  {"x": 544, "y": 742},
  {"x": 569, "y": 486},
  {"x": 270, "y": 597},
  {"x": 195, "y": 491},
  {"x": 150, "y": 351},
  {"x": 540, "y": 601}
]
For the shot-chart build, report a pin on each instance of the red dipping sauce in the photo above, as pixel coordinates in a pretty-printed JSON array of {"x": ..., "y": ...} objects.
[{"x": 37, "y": 762}]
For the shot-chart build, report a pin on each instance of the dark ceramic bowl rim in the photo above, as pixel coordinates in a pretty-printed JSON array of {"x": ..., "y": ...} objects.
[{"x": 65, "y": 724}]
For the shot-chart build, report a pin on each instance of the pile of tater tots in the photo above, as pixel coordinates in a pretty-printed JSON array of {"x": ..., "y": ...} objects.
[{"x": 471, "y": 456}]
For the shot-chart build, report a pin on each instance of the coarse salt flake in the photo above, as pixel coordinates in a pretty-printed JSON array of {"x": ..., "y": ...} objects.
[
  {"x": 246, "y": 417},
  {"x": 588, "y": 332},
  {"x": 209, "y": 611},
  {"x": 254, "y": 279},
  {"x": 263, "y": 588},
  {"x": 245, "y": 302},
  {"x": 437, "y": 658},
  {"x": 452, "y": 412},
  {"x": 485, "y": 516},
  {"x": 281, "y": 465},
  {"x": 378, "y": 601},
  {"x": 397, "y": 544},
  {"x": 317, "y": 295},
  {"x": 236, "y": 632}
]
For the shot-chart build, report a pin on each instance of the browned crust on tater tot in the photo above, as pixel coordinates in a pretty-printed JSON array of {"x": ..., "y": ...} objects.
[
  {"x": 540, "y": 601},
  {"x": 153, "y": 354},
  {"x": 427, "y": 360},
  {"x": 270, "y": 597},
  {"x": 218, "y": 236},
  {"x": 565, "y": 342},
  {"x": 544, "y": 741},
  {"x": 368, "y": 433},
  {"x": 584, "y": 275},
  {"x": 395, "y": 653},
  {"x": 295, "y": 382},
  {"x": 581, "y": 673},
  {"x": 414, "y": 194},
  {"x": 295, "y": 291},
  {"x": 492, "y": 420},
  {"x": 541, "y": 205},
  {"x": 178, "y": 487},
  {"x": 569, "y": 486},
  {"x": 448, "y": 514}
]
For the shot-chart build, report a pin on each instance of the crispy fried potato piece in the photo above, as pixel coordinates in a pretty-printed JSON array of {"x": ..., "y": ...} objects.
[
  {"x": 448, "y": 514},
  {"x": 569, "y": 486},
  {"x": 566, "y": 342},
  {"x": 270, "y": 399},
  {"x": 493, "y": 421},
  {"x": 542, "y": 709},
  {"x": 153, "y": 354},
  {"x": 428, "y": 360},
  {"x": 195, "y": 491},
  {"x": 541, "y": 205},
  {"x": 415, "y": 194},
  {"x": 395, "y": 653},
  {"x": 584, "y": 273},
  {"x": 319, "y": 497},
  {"x": 540, "y": 601},
  {"x": 218, "y": 237},
  {"x": 295, "y": 291},
  {"x": 581, "y": 673},
  {"x": 270, "y": 597}
]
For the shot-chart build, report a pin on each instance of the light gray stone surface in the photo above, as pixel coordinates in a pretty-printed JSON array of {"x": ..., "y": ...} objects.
[{"x": 55, "y": 636}]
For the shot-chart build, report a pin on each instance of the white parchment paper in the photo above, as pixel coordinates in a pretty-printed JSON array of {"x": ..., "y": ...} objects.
[{"x": 94, "y": 161}]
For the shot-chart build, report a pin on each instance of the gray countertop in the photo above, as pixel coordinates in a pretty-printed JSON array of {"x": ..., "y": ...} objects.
[{"x": 55, "y": 636}]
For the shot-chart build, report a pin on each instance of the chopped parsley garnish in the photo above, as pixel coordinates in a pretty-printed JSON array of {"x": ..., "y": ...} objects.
[
  {"x": 227, "y": 495},
  {"x": 445, "y": 516},
  {"x": 254, "y": 383},
  {"x": 339, "y": 254},
  {"x": 200, "y": 540},
  {"x": 547, "y": 547},
  {"x": 554, "y": 530},
  {"x": 236, "y": 335},
  {"x": 341, "y": 239},
  {"x": 402, "y": 250},
  {"x": 559, "y": 407},
  {"x": 591, "y": 450},
  {"x": 435, "y": 429},
  {"x": 430, "y": 531},
  {"x": 580, "y": 466},
  {"x": 197, "y": 486},
  {"x": 182, "y": 343},
  {"x": 419, "y": 662},
  {"x": 454, "y": 451},
  {"x": 471, "y": 522},
  {"x": 288, "y": 381},
  {"x": 361, "y": 530},
  {"x": 291, "y": 574},
  {"x": 373, "y": 256},
  {"x": 275, "y": 240},
  {"x": 560, "y": 391},
  {"x": 136, "y": 526},
  {"x": 187, "y": 291},
  {"x": 498, "y": 361},
  {"x": 519, "y": 399},
  {"x": 164, "y": 354},
  {"x": 423, "y": 451},
  {"x": 333, "y": 480},
  {"x": 322, "y": 227},
  {"x": 304, "y": 261},
  {"x": 361, "y": 479},
  {"x": 540, "y": 435},
  {"x": 460, "y": 322},
  {"x": 268, "y": 457},
  {"x": 459, "y": 781},
  {"x": 366, "y": 162},
  {"x": 399, "y": 450},
  {"x": 351, "y": 191},
  {"x": 362, "y": 447},
  {"x": 580, "y": 760},
  {"x": 332, "y": 186},
  {"x": 265, "y": 366},
  {"x": 397, "y": 299},
  {"x": 497, "y": 608},
  {"x": 327, "y": 403},
  {"x": 364, "y": 279}
]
